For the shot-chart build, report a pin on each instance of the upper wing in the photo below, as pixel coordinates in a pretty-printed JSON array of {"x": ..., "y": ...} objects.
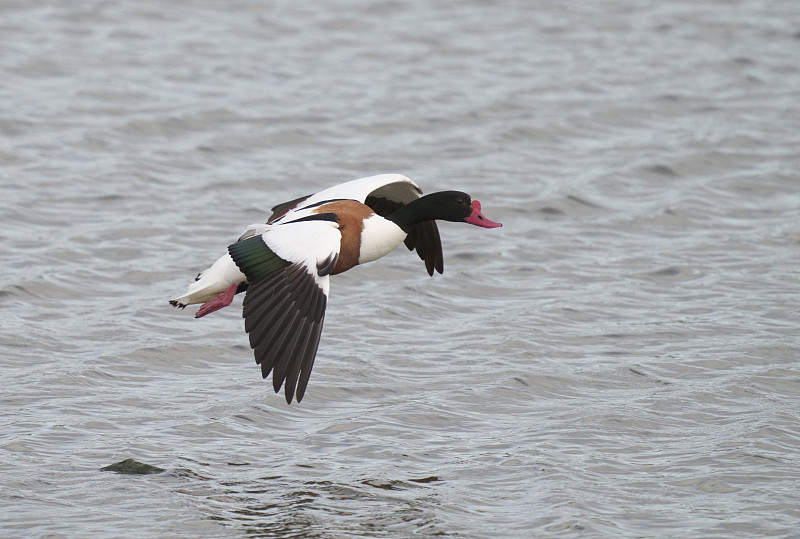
[
  {"x": 287, "y": 268},
  {"x": 395, "y": 187},
  {"x": 392, "y": 186}
]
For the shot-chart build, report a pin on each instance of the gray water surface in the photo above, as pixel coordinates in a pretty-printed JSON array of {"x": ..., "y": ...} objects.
[{"x": 621, "y": 359}]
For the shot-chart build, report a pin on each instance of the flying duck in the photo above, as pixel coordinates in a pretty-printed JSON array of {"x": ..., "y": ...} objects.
[{"x": 285, "y": 265}]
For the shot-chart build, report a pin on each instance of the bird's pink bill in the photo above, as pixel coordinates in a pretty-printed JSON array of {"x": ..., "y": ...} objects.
[{"x": 478, "y": 219}]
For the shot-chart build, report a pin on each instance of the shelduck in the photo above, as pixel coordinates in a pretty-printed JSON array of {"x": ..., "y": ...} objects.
[{"x": 285, "y": 265}]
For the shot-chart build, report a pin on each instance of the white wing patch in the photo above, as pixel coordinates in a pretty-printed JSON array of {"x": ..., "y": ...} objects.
[
  {"x": 393, "y": 186},
  {"x": 310, "y": 243}
]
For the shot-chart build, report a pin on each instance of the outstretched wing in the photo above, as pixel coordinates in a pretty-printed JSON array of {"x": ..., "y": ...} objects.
[{"x": 287, "y": 268}]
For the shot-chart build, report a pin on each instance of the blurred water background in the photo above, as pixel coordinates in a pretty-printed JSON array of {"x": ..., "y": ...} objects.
[{"x": 621, "y": 359}]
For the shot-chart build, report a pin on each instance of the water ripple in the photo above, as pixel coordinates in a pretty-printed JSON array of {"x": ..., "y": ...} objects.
[{"x": 618, "y": 360}]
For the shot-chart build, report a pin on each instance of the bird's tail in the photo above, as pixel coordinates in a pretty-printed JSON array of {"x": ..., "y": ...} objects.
[{"x": 211, "y": 282}]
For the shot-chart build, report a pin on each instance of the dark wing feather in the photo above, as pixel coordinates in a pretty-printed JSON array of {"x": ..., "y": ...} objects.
[
  {"x": 283, "y": 316},
  {"x": 283, "y": 310},
  {"x": 424, "y": 237},
  {"x": 282, "y": 209}
]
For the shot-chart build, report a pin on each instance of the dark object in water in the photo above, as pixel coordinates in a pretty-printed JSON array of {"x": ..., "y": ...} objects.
[{"x": 132, "y": 467}]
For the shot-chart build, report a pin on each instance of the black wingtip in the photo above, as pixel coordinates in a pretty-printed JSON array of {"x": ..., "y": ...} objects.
[
  {"x": 283, "y": 317},
  {"x": 432, "y": 268}
]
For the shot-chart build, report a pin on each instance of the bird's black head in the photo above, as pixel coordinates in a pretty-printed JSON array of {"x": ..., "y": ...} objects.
[{"x": 452, "y": 206}]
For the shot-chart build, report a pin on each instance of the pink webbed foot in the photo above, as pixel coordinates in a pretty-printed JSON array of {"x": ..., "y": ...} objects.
[{"x": 218, "y": 302}]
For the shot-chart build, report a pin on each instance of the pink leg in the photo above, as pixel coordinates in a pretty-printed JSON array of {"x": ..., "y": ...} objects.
[{"x": 218, "y": 302}]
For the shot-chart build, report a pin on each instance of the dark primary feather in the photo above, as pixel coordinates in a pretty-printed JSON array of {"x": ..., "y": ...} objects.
[
  {"x": 284, "y": 309},
  {"x": 283, "y": 316},
  {"x": 424, "y": 237}
]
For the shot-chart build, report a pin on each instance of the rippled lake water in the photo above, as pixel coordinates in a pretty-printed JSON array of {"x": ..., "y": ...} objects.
[{"x": 621, "y": 359}]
